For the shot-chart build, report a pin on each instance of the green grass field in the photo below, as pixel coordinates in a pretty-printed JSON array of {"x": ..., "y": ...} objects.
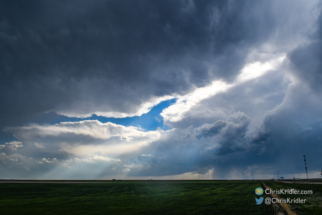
[
  {"x": 313, "y": 205},
  {"x": 133, "y": 197}
]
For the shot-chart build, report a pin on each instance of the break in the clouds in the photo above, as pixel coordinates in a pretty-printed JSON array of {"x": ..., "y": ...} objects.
[{"x": 234, "y": 88}]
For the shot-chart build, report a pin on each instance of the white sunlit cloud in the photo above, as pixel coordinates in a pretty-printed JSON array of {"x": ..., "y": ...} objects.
[
  {"x": 86, "y": 143},
  {"x": 12, "y": 145},
  {"x": 90, "y": 159},
  {"x": 91, "y": 128},
  {"x": 184, "y": 103},
  {"x": 257, "y": 69},
  {"x": 250, "y": 71},
  {"x": 85, "y": 138}
]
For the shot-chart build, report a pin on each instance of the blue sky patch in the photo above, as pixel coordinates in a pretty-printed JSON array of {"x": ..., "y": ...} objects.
[{"x": 149, "y": 121}]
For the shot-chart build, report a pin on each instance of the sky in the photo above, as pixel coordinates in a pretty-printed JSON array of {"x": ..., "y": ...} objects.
[{"x": 162, "y": 89}]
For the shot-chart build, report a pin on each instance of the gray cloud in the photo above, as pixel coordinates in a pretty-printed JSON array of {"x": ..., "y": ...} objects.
[
  {"x": 231, "y": 133},
  {"x": 307, "y": 60},
  {"x": 210, "y": 129}
]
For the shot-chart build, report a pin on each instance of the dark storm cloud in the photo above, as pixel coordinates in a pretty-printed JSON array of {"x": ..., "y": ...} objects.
[
  {"x": 307, "y": 60},
  {"x": 294, "y": 129},
  {"x": 261, "y": 136},
  {"x": 210, "y": 129},
  {"x": 231, "y": 136},
  {"x": 80, "y": 57},
  {"x": 288, "y": 132}
]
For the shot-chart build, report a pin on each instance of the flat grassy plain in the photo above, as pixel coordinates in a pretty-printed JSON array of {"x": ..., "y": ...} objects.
[
  {"x": 313, "y": 204},
  {"x": 133, "y": 197}
]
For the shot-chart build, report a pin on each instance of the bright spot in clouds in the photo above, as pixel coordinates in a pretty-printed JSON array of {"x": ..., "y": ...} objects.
[
  {"x": 184, "y": 103},
  {"x": 257, "y": 69}
]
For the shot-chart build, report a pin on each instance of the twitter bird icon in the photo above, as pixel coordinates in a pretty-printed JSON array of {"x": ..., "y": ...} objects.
[{"x": 259, "y": 201}]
